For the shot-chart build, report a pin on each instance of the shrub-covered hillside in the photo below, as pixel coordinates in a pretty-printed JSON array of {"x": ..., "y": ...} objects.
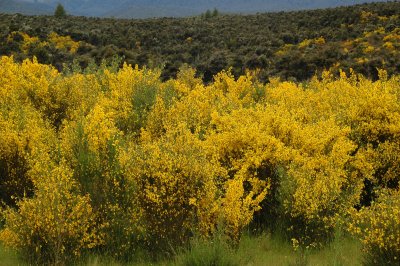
[{"x": 291, "y": 45}]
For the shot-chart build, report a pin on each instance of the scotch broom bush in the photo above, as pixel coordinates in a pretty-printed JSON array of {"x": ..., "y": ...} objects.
[
  {"x": 378, "y": 227},
  {"x": 176, "y": 187},
  {"x": 56, "y": 225}
]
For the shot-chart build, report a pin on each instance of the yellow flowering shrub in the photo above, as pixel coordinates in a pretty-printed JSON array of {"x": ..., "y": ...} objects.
[
  {"x": 176, "y": 186},
  {"x": 318, "y": 187},
  {"x": 374, "y": 120},
  {"x": 71, "y": 96},
  {"x": 386, "y": 162},
  {"x": 322, "y": 178},
  {"x": 26, "y": 41},
  {"x": 131, "y": 94},
  {"x": 24, "y": 133},
  {"x": 246, "y": 149},
  {"x": 57, "y": 97},
  {"x": 91, "y": 147},
  {"x": 54, "y": 226},
  {"x": 378, "y": 227},
  {"x": 301, "y": 46},
  {"x": 195, "y": 106},
  {"x": 27, "y": 44},
  {"x": 366, "y": 16},
  {"x": 195, "y": 103},
  {"x": 63, "y": 42}
]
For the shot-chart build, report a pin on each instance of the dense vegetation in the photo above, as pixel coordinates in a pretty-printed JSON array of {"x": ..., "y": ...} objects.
[
  {"x": 291, "y": 45},
  {"x": 123, "y": 161},
  {"x": 119, "y": 162}
]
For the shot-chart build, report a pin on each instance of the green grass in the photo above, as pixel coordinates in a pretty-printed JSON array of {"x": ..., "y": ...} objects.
[
  {"x": 9, "y": 257},
  {"x": 340, "y": 252},
  {"x": 268, "y": 250},
  {"x": 252, "y": 251}
]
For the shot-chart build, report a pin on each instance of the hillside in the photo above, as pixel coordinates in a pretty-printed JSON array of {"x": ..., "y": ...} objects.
[
  {"x": 165, "y": 8},
  {"x": 292, "y": 45}
]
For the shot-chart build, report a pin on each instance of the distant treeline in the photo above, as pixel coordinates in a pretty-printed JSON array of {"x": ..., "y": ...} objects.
[{"x": 290, "y": 45}]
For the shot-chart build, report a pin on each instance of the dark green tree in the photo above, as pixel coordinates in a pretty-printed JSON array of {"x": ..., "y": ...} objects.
[
  {"x": 215, "y": 12},
  {"x": 208, "y": 14},
  {"x": 60, "y": 11}
]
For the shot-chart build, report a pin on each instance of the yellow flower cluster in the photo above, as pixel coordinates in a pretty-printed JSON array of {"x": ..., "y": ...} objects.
[
  {"x": 63, "y": 42},
  {"x": 320, "y": 41},
  {"x": 28, "y": 43}
]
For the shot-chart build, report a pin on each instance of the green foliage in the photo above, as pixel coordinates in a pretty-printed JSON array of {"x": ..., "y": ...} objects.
[
  {"x": 215, "y": 12},
  {"x": 59, "y": 12}
]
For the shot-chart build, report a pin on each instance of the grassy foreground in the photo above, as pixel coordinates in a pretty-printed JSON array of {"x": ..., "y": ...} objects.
[
  {"x": 9, "y": 257},
  {"x": 252, "y": 250}
]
